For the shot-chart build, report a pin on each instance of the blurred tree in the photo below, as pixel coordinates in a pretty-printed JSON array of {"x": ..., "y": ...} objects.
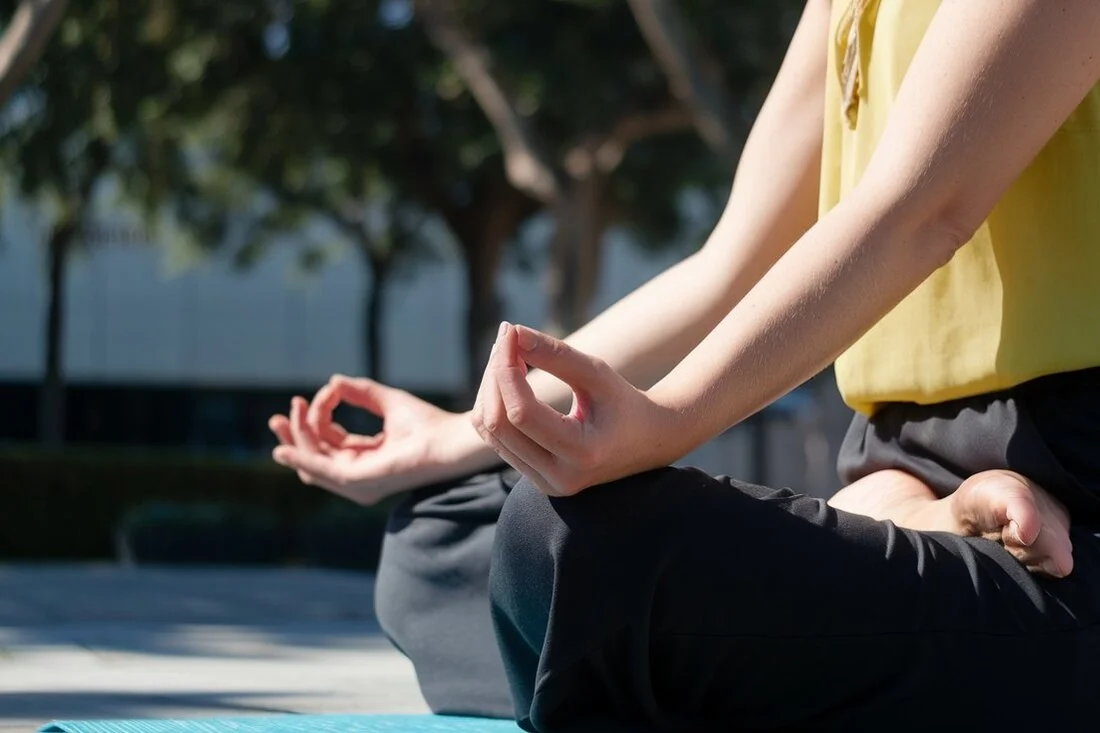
[
  {"x": 589, "y": 114},
  {"x": 386, "y": 235},
  {"x": 348, "y": 118},
  {"x": 111, "y": 98},
  {"x": 575, "y": 88}
]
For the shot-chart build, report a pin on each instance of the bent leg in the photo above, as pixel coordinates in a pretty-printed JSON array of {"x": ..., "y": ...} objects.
[
  {"x": 432, "y": 595},
  {"x": 685, "y": 602}
]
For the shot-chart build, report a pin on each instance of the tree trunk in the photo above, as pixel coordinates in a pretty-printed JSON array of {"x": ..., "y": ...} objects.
[
  {"x": 500, "y": 209},
  {"x": 575, "y": 255},
  {"x": 483, "y": 308},
  {"x": 373, "y": 311},
  {"x": 51, "y": 407},
  {"x": 589, "y": 254}
]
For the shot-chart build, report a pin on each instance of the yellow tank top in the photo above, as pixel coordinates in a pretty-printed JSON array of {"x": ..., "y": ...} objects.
[{"x": 1022, "y": 298}]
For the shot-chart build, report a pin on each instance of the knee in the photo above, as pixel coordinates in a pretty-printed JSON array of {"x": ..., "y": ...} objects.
[
  {"x": 412, "y": 553},
  {"x": 527, "y": 531},
  {"x": 538, "y": 543},
  {"x": 393, "y": 589},
  {"x": 536, "y": 531},
  {"x": 567, "y": 569},
  {"x": 542, "y": 542}
]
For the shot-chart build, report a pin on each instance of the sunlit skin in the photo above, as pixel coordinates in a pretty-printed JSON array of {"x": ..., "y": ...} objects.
[{"x": 773, "y": 298}]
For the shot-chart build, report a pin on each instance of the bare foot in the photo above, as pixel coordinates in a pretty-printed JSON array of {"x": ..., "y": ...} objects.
[
  {"x": 1009, "y": 508},
  {"x": 889, "y": 495},
  {"x": 999, "y": 505}
]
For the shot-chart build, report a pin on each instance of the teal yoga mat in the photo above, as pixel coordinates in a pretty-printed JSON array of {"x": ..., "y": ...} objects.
[{"x": 291, "y": 724}]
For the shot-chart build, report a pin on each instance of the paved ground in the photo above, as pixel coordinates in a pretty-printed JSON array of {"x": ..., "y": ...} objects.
[{"x": 109, "y": 642}]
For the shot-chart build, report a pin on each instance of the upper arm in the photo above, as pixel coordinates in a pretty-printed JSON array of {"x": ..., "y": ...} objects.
[
  {"x": 775, "y": 190},
  {"x": 990, "y": 84},
  {"x": 799, "y": 87}
]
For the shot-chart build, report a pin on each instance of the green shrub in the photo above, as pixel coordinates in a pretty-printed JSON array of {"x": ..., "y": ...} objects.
[
  {"x": 343, "y": 536},
  {"x": 69, "y": 505},
  {"x": 180, "y": 533}
]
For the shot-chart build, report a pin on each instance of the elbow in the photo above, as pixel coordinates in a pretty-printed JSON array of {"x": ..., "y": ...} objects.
[
  {"x": 933, "y": 227},
  {"x": 943, "y": 234},
  {"x": 935, "y": 212}
]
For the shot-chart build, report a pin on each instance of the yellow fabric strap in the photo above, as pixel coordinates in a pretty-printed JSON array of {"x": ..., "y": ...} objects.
[{"x": 853, "y": 50}]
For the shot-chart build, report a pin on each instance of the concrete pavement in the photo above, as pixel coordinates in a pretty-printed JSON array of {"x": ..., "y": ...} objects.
[{"x": 103, "y": 641}]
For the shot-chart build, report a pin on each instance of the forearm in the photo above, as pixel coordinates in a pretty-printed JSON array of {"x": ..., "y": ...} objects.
[
  {"x": 773, "y": 200},
  {"x": 833, "y": 285},
  {"x": 647, "y": 332}
]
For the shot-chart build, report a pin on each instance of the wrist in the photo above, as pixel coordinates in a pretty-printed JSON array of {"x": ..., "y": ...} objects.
[
  {"x": 675, "y": 421},
  {"x": 468, "y": 452}
]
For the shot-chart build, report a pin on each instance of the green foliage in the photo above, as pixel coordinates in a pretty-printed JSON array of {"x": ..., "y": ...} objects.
[
  {"x": 248, "y": 120},
  {"x": 356, "y": 114},
  {"x": 580, "y": 66},
  {"x": 190, "y": 533},
  {"x": 72, "y": 504},
  {"x": 70, "y": 99},
  {"x": 326, "y": 115},
  {"x": 328, "y": 107}
]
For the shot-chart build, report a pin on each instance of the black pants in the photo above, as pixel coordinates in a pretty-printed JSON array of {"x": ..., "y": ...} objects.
[{"x": 676, "y": 601}]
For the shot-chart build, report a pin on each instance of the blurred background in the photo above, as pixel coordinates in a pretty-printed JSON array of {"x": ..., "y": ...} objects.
[{"x": 209, "y": 206}]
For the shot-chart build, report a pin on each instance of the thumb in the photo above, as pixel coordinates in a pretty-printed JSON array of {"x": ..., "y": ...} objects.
[{"x": 577, "y": 369}]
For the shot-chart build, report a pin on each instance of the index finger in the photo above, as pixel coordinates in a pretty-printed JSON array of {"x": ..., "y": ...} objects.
[
  {"x": 539, "y": 421},
  {"x": 554, "y": 356},
  {"x": 362, "y": 393},
  {"x": 319, "y": 415}
]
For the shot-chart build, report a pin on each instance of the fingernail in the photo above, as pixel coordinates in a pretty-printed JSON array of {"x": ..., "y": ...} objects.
[
  {"x": 502, "y": 329},
  {"x": 526, "y": 339},
  {"x": 1014, "y": 530},
  {"x": 279, "y": 455}
]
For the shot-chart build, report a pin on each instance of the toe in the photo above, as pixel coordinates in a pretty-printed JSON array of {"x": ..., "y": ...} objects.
[
  {"x": 1022, "y": 521},
  {"x": 1061, "y": 559},
  {"x": 1051, "y": 554}
]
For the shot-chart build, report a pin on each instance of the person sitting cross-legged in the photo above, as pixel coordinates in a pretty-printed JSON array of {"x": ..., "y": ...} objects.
[{"x": 924, "y": 215}]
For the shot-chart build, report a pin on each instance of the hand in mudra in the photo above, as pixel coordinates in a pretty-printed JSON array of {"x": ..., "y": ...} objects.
[
  {"x": 419, "y": 443},
  {"x": 613, "y": 429}
]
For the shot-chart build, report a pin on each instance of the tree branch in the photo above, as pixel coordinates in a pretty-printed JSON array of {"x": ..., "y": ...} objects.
[
  {"x": 25, "y": 39},
  {"x": 636, "y": 127},
  {"x": 692, "y": 74},
  {"x": 527, "y": 166},
  {"x": 605, "y": 153}
]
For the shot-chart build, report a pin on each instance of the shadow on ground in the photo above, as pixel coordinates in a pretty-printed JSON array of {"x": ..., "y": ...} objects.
[
  {"x": 251, "y": 641},
  {"x": 46, "y": 706}
]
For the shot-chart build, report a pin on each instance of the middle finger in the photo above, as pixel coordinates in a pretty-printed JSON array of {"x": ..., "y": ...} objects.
[
  {"x": 319, "y": 416},
  {"x": 496, "y": 419},
  {"x": 280, "y": 425},
  {"x": 304, "y": 438}
]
